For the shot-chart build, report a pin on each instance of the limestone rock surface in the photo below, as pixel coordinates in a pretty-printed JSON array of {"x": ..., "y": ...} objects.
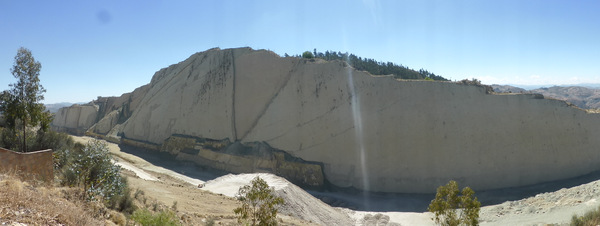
[
  {"x": 369, "y": 132},
  {"x": 75, "y": 119}
]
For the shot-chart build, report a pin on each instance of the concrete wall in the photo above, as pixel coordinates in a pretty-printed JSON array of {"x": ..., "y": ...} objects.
[
  {"x": 370, "y": 132},
  {"x": 37, "y": 165}
]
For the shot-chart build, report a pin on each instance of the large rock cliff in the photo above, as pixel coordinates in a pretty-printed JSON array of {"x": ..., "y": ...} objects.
[{"x": 315, "y": 121}]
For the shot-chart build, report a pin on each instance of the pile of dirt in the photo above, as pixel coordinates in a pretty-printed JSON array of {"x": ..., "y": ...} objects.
[{"x": 298, "y": 203}]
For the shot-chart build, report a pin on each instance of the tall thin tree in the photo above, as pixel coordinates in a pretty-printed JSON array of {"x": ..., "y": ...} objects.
[{"x": 22, "y": 102}]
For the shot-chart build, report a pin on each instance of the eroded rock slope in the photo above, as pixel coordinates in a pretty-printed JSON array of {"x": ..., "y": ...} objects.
[{"x": 369, "y": 132}]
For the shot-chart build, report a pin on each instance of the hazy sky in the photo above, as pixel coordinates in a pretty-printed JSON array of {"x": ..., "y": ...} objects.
[{"x": 105, "y": 48}]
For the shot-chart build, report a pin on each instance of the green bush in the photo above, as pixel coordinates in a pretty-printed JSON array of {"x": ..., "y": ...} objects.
[
  {"x": 13, "y": 139},
  {"x": 589, "y": 218},
  {"x": 258, "y": 203},
  {"x": 308, "y": 55},
  {"x": 40, "y": 140},
  {"x": 146, "y": 218},
  {"x": 122, "y": 202},
  {"x": 91, "y": 168},
  {"x": 52, "y": 140},
  {"x": 88, "y": 166},
  {"x": 452, "y": 209}
]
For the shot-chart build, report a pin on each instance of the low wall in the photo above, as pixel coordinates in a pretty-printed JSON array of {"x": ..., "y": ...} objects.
[{"x": 30, "y": 165}]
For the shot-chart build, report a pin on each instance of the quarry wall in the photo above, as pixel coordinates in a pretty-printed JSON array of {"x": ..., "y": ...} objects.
[
  {"x": 75, "y": 119},
  {"x": 31, "y": 165},
  {"x": 369, "y": 132}
]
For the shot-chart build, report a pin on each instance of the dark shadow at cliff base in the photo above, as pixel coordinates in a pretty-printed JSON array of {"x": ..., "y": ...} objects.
[
  {"x": 168, "y": 161},
  {"x": 397, "y": 202},
  {"x": 366, "y": 201}
]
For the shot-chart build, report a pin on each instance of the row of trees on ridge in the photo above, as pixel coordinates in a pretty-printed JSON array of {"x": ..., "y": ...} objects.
[{"x": 372, "y": 66}]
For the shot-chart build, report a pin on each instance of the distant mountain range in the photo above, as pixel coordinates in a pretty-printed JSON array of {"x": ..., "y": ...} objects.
[
  {"x": 586, "y": 96},
  {"x": 53, "y": 108}
]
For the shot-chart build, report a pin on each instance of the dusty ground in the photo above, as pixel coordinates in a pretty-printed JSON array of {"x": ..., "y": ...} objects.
[
  {"x": 35, "y": 203},
  {"x": 196, "y": 206}
]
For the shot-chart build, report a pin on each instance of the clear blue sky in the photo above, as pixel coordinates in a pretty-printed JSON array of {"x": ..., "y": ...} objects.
[{"x": 105, "y": 48}]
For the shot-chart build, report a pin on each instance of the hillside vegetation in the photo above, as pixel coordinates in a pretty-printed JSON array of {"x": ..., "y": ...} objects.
[
  {"x": 373, "y": 66},
  {"x": 31, "y": 203}
]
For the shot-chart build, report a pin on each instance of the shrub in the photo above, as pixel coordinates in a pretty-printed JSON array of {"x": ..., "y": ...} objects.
[
  {"x": 13, "y": 139},
  {"x": 451, "y": 209},
  {"x": 308, "y": 55},
  {"x": 476, "y": 82},
  {"x": 258, "y": 203},
  {"x": 123, "y": 202},
  {"x": 590, "y": 218},
  {"x": 41, "y": 140},
  {"x": 145, "y": 217},
  {"x": 52, "y": 140},
  {"x": 91, "y": 168}
]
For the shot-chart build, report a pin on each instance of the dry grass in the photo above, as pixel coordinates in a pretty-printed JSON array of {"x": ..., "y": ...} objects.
[
  {"x": 590, "y": 218},
  {"x": 38, "y": 204},
  {"x": 593, "y": 111}
]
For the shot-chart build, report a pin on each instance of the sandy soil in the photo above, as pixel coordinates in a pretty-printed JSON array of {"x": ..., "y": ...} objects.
[
  {"x": 215, "y": 200},
  {"x": 194, "y": 206}
]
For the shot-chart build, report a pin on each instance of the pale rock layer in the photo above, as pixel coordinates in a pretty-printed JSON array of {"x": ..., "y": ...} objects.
[{"x": 369, "y": 132}]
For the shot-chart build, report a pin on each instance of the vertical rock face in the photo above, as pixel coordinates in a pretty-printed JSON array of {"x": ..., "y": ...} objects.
[
  {"x": 369, "y": 132},
  {"x": 75, "y": 119}
]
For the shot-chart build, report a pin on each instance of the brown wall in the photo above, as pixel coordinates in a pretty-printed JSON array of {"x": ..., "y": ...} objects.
[{"x": 38, "y": 164}]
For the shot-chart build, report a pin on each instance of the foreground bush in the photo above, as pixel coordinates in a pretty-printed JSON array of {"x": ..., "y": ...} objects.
[
  {"x": 451, "y": 209},
  {"x": 75, "y": 165},
  {"x": 91, "y": 168},
  {"x": 258, "y": 203},
  {"x": 31, "y": 203},
  {"x": 40, "y": 140},
  {"x": 589, "y": 218},
  {"x": 146, "y": 218}
]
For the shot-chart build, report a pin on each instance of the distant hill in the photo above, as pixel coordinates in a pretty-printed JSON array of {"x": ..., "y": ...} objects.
[
  {"x": 583, "y": 97},
  {"x": 53, "y": 108},
  {"x": 507, "y": 89}
]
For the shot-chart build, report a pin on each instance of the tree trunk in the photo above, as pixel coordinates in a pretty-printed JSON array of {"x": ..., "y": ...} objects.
[
  {"x": 24, "y": 124},
  {"x": 24, "y": 139}
]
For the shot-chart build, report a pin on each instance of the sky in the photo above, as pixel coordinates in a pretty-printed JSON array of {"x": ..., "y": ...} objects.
[{"x": 106, "y": 48}]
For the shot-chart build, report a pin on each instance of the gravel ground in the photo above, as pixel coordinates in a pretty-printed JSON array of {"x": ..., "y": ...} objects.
[{"x": 534, "y": 205}]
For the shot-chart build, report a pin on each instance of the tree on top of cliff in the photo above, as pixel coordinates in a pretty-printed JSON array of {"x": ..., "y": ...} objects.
[
  {"x": 376, "y": 67},
  {"x": 307, "y": 55},
  {"x": 21, "y": 104}
]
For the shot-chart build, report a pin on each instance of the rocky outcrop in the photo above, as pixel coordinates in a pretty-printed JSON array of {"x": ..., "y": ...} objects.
[
  {"x": 243, "y": 158},
  {"x": 75, "y": 119},
  {"x": 369, "y": 132},
  {"x": 102, "y": 117}
]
